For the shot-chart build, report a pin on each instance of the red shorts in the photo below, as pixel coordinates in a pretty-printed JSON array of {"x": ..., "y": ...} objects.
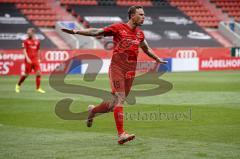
[
  {"x": 121, "y": 80},
  {"x": 33, "y": 66}
]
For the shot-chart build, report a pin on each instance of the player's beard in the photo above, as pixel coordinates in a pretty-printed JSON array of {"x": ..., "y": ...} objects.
[
  {"x": 30, "y": 36},
  {"x": 137, "y": 24},
  {"x": 140, "y": 23}
]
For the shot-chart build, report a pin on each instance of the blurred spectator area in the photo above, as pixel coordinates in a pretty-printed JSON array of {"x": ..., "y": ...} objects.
[{"x": 13, "y": 27}]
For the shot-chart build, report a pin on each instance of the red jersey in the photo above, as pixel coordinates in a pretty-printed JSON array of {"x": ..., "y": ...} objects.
[
  {"x": 32, "y": 47},
  {"x": 126, "y": 43}
]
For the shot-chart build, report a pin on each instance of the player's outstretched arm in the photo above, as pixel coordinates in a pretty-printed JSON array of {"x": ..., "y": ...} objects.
[
  {"x": 147, "y": 50},
  {"x": 85, "y": 32}
]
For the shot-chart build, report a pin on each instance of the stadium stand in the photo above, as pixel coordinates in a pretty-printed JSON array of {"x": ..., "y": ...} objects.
[
  {"x": 160, "y": 2},
  {"x": 36, "y": 11},
  {"x": 79, "y": 2},
  {"x": 131, "y": 3},
  {"x": 165, "y": 25},
  {"x": 198, "y": 12},
  {"x": 106, "y": 2},
  {"x": 232, "y": 8},
  {"x": 13, "y": 26},
  {"x": 168, "y": 23}
]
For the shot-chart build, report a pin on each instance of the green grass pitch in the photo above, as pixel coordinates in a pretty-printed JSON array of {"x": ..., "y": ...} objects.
[{"x": 209, "y": 127}]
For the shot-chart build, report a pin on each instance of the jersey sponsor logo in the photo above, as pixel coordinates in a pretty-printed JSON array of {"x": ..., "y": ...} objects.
[
  {"x": 127, "y": 43},
  {"x": 186, "y": 54},
  {"x": 33, "y": 46},
  {"x": 123, "y": 33},
  {"x": 56, "y": 55},
  {"x": 124, "y": 44}
]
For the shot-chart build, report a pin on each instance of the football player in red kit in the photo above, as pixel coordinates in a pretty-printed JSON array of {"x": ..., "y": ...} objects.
[
  {"x": 127, "y": 38},
  {"x": 32, "y": 60}
]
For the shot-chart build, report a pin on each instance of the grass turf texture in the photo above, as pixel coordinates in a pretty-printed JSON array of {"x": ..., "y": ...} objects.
[{"x": 29, "y": 127}]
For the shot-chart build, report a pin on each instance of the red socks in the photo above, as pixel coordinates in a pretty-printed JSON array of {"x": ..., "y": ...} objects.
[
  {"x": 22, "y": 78},
  {"x": 118, "y": 115},
  {"x": 101, "y": 108},
  {"x": 38, "y": 81}
]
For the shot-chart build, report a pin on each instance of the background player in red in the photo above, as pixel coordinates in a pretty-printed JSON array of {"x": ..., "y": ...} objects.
[
  {"x": 32, "y": 60},
  {"x": 127, "y": 38}
]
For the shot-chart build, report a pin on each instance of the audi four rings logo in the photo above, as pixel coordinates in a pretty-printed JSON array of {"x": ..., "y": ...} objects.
[
  {"x": 186, "y": 54},
  {"x": 57, "y": 55}
]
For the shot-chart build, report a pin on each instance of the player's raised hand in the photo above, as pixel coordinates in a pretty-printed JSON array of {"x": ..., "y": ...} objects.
[
  {"x": 69, "y": 31},
  {"x": 161, "y": 61}
]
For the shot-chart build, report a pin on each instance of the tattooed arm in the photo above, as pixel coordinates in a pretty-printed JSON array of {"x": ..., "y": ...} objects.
[
  {"x": 147, "y": 50},
  {"x": 85, "y": 32}
]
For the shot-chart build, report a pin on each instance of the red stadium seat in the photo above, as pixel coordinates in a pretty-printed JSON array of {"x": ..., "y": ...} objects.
[
  {"x": 137, "y": 2},
  {"x": 231, "y": 7},
  {"x": 36, "y": 10},
  {"x": 78, "y": 2},
  {"x": 197, "y": 12}
]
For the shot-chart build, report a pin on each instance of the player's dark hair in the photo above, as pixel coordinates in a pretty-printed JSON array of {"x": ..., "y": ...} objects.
[{"x": 132, "y": 10}]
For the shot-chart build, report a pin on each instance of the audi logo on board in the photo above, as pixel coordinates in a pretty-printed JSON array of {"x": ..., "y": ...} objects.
[
  {"x": 186, "y": 54},
  {"x": 57, "y": 55}
]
